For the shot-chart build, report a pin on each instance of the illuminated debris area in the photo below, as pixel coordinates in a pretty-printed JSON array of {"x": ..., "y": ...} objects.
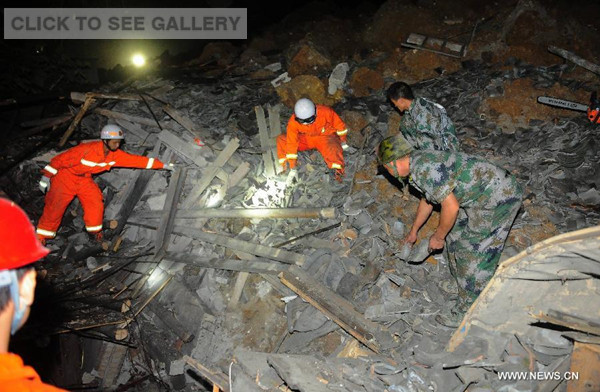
[{"x": 227, "y": 266}]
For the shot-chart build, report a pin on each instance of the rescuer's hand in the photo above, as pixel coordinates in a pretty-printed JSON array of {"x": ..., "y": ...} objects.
[{"x": 44, "y": 184}]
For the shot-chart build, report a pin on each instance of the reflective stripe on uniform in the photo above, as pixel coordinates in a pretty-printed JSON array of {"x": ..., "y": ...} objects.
[
  {"x": 85, "y": 162},
  {"x": 150, "y": 163},
  {"x": 291, "y": 156},
  {"x": 341, "y": 133},
  {"x": 46, "y": 233},
  {"x": 93, "y": 228},
  {"x": 282, "y": 160},
  {"x": 336, "y": 166},
  {"x": 50, "y": 169}
]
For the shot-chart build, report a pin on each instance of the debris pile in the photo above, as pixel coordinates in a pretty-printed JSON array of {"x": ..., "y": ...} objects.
[{"x": 227, "y": 272}]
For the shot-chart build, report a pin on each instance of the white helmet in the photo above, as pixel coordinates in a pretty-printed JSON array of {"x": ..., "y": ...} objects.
[
  {"x": 111, "y": 131},
  {"x": 305, "y": 110}
]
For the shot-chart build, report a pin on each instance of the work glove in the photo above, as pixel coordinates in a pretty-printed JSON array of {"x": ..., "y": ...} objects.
[
  {"x": 291, "y": 177},
  {"x": 169, "y": 167},
  {"x": 289, "y": 163},
  {"x": 44, "y": 184},
  {"x": 348, "y": 149}
]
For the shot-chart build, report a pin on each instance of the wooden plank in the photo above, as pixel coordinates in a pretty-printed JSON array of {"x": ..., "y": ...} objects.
[
  {"x": 127, "y": 117},
  {"x": 48, "y": 123},
  {"x": 575, "y": 59},
  {"x": 171, "y": 322},
  {"x": 335, "y": 307},
  {"x": 184, "y": 121},
  {"x": 259, "y": 265},
  {"x": 84, "y": 108},
  {"x": 585, "y": 363},
  {"x": 263, "y": 134},
  {"x": 281, "y": 255},
  {"x": 130, "y": 197},
  {"x": 238, "y": 287},
  {"x": 167, "y": 219},
  {"x": 134, "y": 128},
  {"x": 250, "y": 213},
  {"x": 214, "y": 376},
  {"x": 210, "y": 173},
  {"x": 572, "y": 322},
  {"x": 238, "y": 174},
  {"x": 274, "y": 131},
  {"x": 186, "y": 150}
]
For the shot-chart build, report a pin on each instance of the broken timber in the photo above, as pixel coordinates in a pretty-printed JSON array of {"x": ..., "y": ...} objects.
[
  {"x": 267, "y": 139},
  {"x": 258, "y": 266},
  {"x": 281, "y": 255},
  {"x": 211, "y": 172},
  {"x": 250, "y": 213},
  {"x": 127, "y": 117},
  {"x": 217, "y": 378},
  {"x": 184, "y": 121},
  {"x": 84, "y": 108},
  {"x": 167, "y": 217},
  {"x": 575, "y": 59},
  {"x": 338, "y": 309}
]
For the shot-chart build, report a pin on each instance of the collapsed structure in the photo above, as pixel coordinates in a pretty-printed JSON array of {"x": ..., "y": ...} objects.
[{"x": 226, "y": 273}]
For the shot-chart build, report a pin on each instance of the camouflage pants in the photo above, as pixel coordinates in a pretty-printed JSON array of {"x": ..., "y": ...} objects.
[{"x": 477, "y": 239}]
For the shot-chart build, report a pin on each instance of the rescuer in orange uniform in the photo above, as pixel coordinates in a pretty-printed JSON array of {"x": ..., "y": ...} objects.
[
  {"x": 70, "y": 174},
  {"x": 19, "y": 248},
  {"x": 314, "y": 127}
]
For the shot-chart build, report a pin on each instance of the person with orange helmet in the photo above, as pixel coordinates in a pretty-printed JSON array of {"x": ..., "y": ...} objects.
[
  {"x": 19, "y": 249},
  {"x": 69, "y": 174},
  {"x": 314, "y": 127}
]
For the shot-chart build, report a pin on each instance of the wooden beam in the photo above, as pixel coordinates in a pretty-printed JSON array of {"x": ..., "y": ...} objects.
[
  {"x": 184, "y": 121},
  {"x": 249, "y": 213},
  {"x": 281, "y": 255},
  {"x": 211, "y": 172},
  {"x": 127, "y": 117},
  {"x": 575, "y": 59},
  {"x": 569, "y": 321},
  {"x": 338, "y": 309},
  {"x": 217, "y": 378},
  {"x": 167, "y": 218},
  {"x": 260, "y": 265},
  {"x": 265, "y": 144},
  {"x": 84, "y": 108},
  {"x": 48, "y": 123}
]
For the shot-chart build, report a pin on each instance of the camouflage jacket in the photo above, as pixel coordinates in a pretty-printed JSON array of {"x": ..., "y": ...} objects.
[
  {"x": 427, "y": 127},
  {"x": 474, "y": 181}
]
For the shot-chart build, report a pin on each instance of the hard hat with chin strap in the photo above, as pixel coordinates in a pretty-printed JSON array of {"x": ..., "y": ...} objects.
[{"x": 111, "y": 131}]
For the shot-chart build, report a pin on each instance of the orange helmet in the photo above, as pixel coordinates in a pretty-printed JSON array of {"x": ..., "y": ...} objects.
[{"x": 19, "y": 245}]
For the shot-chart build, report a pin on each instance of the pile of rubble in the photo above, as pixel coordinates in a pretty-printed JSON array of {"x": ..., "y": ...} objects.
[{"x": 226, "y": 272}]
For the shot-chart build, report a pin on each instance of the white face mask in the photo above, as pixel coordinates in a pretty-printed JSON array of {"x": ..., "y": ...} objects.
[{"x": 9, "y": 278}]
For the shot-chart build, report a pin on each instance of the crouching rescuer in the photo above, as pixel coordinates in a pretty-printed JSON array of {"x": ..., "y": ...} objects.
[
  {"x": 314, "y": 127},
  {"x": 69, "y": 174}
]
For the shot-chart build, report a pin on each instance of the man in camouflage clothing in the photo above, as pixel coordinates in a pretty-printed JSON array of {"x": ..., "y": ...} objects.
[
  {"x": 479, "y": 202},
  {"x": 424, "y": 123}
]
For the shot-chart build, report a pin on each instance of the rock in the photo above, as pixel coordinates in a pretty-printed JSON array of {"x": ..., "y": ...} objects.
[
  {"x": 337, "y": 78},
  {"x": 355, "y": 122},
  {"x": 365, "y": 82},
  {"x": 308, "y": 61},
  {"x": 304, "y": 86},
  {"x": 224, "y": 53},
  {"x": 393, "y": 125},
  {"x": 262, "y": 74},
  {"x": 253, "y": 56}
]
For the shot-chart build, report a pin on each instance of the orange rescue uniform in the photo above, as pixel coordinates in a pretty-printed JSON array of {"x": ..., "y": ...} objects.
[
  {"x": 325, "y": 134},
  {"x": 16, "y": 377},
  {"x": 70, "y": 175}
]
